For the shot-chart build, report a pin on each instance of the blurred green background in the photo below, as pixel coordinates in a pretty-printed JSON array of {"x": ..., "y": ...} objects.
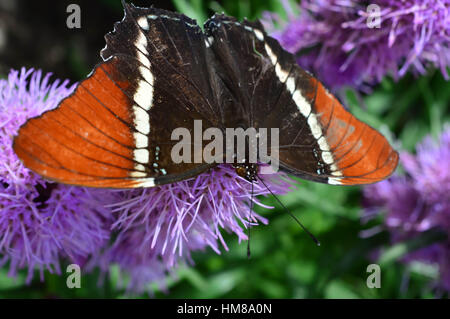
[{"x": 285, "y": 263}]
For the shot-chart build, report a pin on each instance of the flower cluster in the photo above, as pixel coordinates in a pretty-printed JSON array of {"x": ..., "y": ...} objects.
[
  {"x": 159, "y": 227},
  {"x": 418, "y": 201},
  {"x": 40, "y": 222},
  {"x": 146, "y": 232},
  {"x": 341, "y": 42}
]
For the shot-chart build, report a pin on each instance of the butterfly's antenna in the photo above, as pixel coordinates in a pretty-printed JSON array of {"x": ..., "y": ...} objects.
[
  {"x": 248, "y": 228},
  {"x": 292, "y": 215}
]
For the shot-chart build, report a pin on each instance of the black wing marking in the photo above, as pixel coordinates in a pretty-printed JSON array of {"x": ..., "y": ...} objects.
[{"x": 255, "y": 70}]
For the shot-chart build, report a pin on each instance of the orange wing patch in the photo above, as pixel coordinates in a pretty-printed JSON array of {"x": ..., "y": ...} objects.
[
  {"x": 361, "y": 154},
  {"x": 87, "y": 140}
]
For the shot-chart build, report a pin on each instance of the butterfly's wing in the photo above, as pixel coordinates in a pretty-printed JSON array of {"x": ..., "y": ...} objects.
[
  {"x": 319, "y": 139},
  {"x": 115, "y": 130}
]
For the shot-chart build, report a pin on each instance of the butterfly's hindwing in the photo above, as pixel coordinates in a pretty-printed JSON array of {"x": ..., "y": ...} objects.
[{"x": 319, "y": 139}]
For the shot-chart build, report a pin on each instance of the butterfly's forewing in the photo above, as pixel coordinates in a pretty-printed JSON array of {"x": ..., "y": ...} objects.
[
  {"x": 319, "y": 139},
  {"x": 115, "y": 129}
]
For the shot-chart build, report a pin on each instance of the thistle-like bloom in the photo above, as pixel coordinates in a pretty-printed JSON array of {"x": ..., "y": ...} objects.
[
  {"x": 418, "y": 201},
  {"x": 159, "y": 227},
  {"x": 40, "y": 222},
  {"x": 340, "y": 41}
]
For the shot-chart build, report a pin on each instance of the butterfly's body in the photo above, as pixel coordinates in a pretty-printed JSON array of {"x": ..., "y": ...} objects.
[
  {"x": 160, "y": 71},
  {"x": 249, "y": 171}
]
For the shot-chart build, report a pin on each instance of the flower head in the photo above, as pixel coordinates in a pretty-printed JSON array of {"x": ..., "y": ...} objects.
[
  {"x": 418, "y": 201},
  {"x": 40, "y": 222},
  {"x": 159, "y": 227},
  {"x": 342, "y": 44}
]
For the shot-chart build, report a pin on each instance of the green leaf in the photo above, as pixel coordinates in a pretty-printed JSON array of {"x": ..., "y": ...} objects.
[
  {"x": 339, "y": 289},
  {"x": 194, "y": 9},
  {"x": 7, "y": 282}
]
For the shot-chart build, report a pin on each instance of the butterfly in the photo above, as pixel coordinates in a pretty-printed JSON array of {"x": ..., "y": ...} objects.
[{"x": 161, "y": 71}]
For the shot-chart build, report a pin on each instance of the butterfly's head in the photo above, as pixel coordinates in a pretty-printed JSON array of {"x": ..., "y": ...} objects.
[{"x": 248, "y": 171}]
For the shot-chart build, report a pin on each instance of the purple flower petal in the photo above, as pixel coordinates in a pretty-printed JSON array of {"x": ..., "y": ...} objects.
[
  {"x": 343, "y": 50},
  {"x": 419, "y": 201},
  {"x": 158, "y": 228}
]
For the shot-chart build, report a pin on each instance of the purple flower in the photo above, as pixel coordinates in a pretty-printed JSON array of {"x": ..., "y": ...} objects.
[
  {"x": 418, "y": 201},
  {"x": 40, "y": 222},
  {"x": 342, "y": 50},
  {"x": 159, "y": 227}
]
